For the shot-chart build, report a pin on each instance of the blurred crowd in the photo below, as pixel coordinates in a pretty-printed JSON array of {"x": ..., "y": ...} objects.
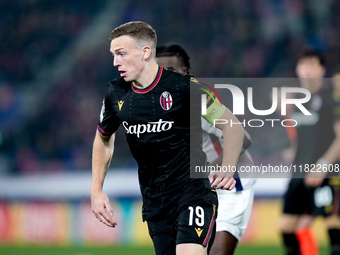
[
  {"x": 33, "y": 34},
  {"x": 236, "y": 38}
]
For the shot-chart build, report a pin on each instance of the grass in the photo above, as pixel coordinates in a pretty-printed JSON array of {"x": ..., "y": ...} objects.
[
  {"x": 268, "y": 250},
  {"x": 125, "y": 250}
]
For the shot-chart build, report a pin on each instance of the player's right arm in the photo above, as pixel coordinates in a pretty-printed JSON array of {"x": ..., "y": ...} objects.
[
  {"x": 315, "y": 179},
  {"x": 102, "y": 152}
]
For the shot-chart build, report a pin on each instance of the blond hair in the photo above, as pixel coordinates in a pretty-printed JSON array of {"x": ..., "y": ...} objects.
[{"x": 142, "y": 32}]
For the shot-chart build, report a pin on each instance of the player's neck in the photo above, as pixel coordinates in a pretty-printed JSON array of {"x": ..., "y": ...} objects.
[{"x": 147, "y": 76}]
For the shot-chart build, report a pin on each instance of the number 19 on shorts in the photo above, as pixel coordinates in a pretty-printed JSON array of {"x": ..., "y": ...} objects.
[{"x": 196, "y": 214}]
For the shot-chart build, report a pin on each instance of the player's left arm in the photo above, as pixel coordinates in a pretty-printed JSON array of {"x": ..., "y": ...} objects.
[
  {"x": 232, "y": 145},
  {"x": 315, "y": 179},
  {"x": 232, "y": 140}
]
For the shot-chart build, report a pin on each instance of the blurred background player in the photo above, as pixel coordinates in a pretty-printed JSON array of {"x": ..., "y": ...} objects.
[
  {"x": 305, "y": 235},
  {"x": 318, "y": 142},
  {"x": 234, "y": 206}
]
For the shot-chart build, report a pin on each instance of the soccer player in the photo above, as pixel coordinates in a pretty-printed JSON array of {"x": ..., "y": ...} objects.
[
  {"x": 305, "y": 235},
  {"x": 234, "y": 206},
  {"x": 153, "y": 106},
  {"x": 318, "y": 142}
]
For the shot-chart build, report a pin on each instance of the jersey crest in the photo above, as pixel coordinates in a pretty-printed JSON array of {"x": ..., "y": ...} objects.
[{"x": 166, "y": 100}]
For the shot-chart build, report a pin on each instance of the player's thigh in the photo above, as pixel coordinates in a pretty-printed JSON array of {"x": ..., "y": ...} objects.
[
  {"x": 191, "y": 248},
  {"x": 298, "y": 199},
  {"x": 234, "y": 211},
  {"x": 305, "y": 221},
  {"x": 195, "y": 222},
  {"x": 224, "y": 244},
  {"x": 288, "y": 223},
  {"x": 163, "y": 235},
  {"x": 332, "y": 222}
]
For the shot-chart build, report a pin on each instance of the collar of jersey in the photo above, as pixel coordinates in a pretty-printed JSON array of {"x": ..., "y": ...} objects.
[{"x": 152, "y": 85}]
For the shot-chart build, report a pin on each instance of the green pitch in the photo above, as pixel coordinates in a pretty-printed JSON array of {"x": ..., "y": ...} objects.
[{"x": 39, "y": 250}]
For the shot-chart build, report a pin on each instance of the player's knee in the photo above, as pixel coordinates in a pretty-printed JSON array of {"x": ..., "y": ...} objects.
[
  {"x": 305, "y": 221},
  {"x": 288, "y": 223},
  {"x": 332, "y": 222}
]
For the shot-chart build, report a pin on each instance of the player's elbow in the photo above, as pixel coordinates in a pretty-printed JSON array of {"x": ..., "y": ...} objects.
[
  {"x": 247, "y": 141},
  {"x": 106, "y": 140}
]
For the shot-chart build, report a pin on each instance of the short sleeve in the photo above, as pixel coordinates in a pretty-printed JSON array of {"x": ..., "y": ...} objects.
[
  {"x": 108, "y": 120},
  {"x": 214, "y": 107}
]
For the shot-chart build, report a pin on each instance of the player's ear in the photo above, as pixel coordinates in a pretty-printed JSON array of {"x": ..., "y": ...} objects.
[
  {"x": 185, "y": 70},
  {"x": 297, "y": 70},
  {"x": 146, "y": 52}
]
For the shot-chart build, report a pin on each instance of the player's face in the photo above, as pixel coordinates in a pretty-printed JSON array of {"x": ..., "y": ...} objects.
[
  {"x": 309, "y": 67},
  {"x": 172, "y": 63},
  {"x": 127, "y": 57}
]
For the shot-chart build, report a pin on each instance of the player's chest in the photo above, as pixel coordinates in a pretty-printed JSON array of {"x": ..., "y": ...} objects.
[{"x": 151, "y": 106}]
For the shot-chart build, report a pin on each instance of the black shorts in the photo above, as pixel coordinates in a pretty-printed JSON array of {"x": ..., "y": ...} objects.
[
  {"x": 324, "y": 200},
  {"x": 191, "y": 221}
]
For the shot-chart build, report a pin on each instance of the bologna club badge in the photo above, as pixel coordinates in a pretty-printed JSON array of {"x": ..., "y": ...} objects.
[{"x": 166, "y": 100}]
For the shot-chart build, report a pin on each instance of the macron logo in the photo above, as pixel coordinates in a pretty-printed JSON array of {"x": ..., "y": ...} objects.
[{"x": 150, "y": 127}]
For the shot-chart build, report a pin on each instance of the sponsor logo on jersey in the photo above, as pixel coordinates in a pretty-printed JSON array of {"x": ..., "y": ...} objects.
[
  {"x": 199, "y": 231},
  {"x": 120, "y": 104},
  {"x": 166, "y": 100},
  {"x": 150, "y": 127}
]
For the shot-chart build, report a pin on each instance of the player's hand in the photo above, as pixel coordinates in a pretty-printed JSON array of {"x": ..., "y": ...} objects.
[
  {"x": 102, "y": 209},
  {"x": 222, "y": 181},
  {"x": 314, "y": 179}
]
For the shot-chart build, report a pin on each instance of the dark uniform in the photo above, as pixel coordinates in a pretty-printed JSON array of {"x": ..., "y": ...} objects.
[
  {"x": 314, "y": 136},
  {"x": 157, "y": 125}
]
